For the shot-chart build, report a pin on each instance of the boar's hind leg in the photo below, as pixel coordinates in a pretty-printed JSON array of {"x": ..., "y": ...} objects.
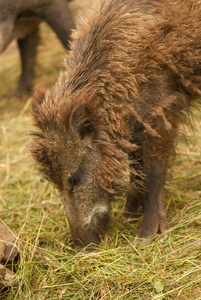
[
  {"x": 135, "y": 196},
  {"x": 27, "y": 47},
  {"x": 154, "y": 218}
]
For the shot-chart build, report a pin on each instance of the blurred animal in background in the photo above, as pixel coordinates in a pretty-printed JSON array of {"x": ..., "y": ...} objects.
[
  {"x": 9, "y": 254},
  {"x": 20, "y": 20}
]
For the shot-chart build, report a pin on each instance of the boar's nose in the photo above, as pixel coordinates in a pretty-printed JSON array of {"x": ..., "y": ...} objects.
[{"x": 86, "y": 240}]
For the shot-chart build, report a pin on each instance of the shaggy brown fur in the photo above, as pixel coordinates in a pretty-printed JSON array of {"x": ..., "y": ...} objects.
[{"x": 133, "y": 70}]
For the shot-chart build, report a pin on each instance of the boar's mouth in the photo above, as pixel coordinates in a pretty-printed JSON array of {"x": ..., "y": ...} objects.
[
  {"x": 84, "y": 243},
  {"x": 95, "y": 226}
]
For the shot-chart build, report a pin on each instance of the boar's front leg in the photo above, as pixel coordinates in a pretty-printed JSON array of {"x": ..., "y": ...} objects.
[
  {"x": 154, "y": 218},
  {"x": 27, "y": 47},
  {"x": 135, "y": 196}
]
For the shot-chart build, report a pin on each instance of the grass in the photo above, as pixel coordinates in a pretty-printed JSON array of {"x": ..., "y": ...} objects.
[{"x": 49, "y": 267}]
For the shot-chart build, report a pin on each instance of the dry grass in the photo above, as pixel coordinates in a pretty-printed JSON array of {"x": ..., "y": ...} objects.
[{"x": 49, "y": 268}]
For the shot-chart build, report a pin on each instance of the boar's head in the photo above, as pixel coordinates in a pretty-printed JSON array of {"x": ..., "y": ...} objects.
[{"x": 65, "y": 149}]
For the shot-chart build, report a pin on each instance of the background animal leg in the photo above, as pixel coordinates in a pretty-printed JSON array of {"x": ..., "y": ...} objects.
[
  {"x": 59, "y": 17},
  {"x": 27, "y": 47}
]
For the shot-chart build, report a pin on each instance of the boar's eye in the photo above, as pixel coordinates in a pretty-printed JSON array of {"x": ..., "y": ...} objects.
[{"x": 76, "y": 178}]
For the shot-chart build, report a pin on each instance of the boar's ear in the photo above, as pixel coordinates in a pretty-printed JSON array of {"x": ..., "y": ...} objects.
[
  {"x": 38, "y": 98},
  {"x": 83, "y": 122}
]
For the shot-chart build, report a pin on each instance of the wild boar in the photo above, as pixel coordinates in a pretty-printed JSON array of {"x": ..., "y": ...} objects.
[
  {"x": 20, "y": 20},
  {"x": 133, "y": 71},
  {"x": 9, "y": 253}
]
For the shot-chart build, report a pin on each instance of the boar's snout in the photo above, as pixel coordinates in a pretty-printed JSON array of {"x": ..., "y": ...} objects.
[
  {"x": 87, "y": 232},
  {"x": 85, "y": 239}
]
